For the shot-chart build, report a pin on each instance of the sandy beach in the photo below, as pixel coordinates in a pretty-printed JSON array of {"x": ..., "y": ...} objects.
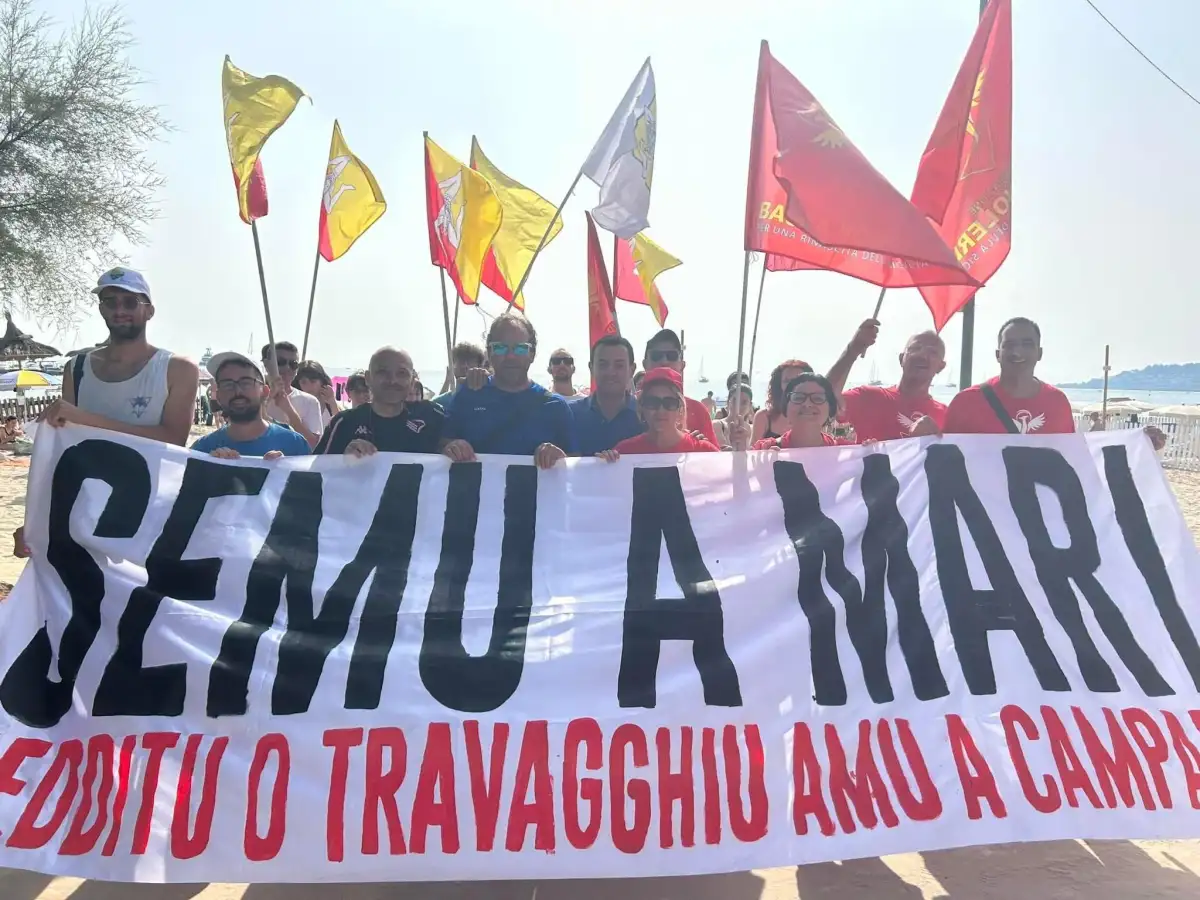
[{"x": 1097, "y": 870}]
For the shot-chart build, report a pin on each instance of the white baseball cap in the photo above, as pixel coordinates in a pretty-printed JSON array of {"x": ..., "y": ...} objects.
[
  {"x": 215, "y": 363},
  {"x": 126, "y": 279}
]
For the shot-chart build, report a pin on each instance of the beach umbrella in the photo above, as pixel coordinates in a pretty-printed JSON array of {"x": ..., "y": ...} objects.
[
  {"x": 1177, "y": 412},
  {"x": 1119, "y": 407},
  {"x": 24, "y": 378}
]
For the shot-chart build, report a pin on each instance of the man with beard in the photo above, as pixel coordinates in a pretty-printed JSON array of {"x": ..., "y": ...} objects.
[
  {"x": 904, "y": 410},
  {"x": 562, "y": 371},
  {"x": 126, "y": 385},
  {"x": 509, "y": 414},
  {"x": 241, "y": 391},
  {"x": 610, "y": 414},
  {"x": 390, "y": 422}
]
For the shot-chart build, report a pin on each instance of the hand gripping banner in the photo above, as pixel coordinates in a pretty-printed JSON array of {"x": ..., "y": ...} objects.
[{"x": 402, "y": 669}]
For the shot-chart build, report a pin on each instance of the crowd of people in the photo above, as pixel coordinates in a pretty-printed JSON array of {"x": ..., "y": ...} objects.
[{"x": 492, "y": 405}]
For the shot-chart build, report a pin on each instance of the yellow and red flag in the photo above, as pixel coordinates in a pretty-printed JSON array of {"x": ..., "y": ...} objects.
[
  {"x": 964, "y": 184},
  {"x": 464, "y": 216},
  {"x": 351, "y": 200},
  {"x": 527, "y": 215},
  {"x": 638, "y": 261},
  {"x": 253, "y": 109}
]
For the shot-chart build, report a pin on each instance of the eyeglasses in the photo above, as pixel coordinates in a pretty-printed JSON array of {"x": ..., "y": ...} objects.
[
  {"x": 664, "y": 355},
  {"x": 124, "y": 302},
  {"x": 283, "y": 363},
  {"x": 498, "y": 348},
  {"x": 244, "y": 385},
  {"x": 817, "y": 398},
  {"x": 651, "y": 403},
  {"x": 562, "y": 361}
]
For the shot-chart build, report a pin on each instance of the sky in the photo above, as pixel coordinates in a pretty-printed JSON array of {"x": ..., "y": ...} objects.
[{"x": 1103, "y": 155}]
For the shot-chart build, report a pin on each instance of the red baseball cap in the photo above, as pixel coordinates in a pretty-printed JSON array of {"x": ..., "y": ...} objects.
[{"x": 663, "y": 375}]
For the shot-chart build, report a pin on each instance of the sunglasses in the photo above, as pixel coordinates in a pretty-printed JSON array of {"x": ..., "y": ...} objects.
[
  {"x": 283, "y": 363},
  {"x": 498, "y": 348},
  {"x": 650, "y": 402},
  {"x": 817, "y": 398},
  {"x": 664, "y": 356},
  {"x": 124, "y": 303},
  {"x": 562, "y": 361},
  {"x": 243, "y": 385}
]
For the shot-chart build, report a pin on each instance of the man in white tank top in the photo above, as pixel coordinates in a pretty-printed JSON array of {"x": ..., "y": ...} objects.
[{"x": 126, "y": 386}]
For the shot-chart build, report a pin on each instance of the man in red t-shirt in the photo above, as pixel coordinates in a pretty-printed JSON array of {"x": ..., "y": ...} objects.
[
  {"x": 903, "y": 410},
  {"x": 1015, "y": 402},
  {"x": 665, "y": 349}
]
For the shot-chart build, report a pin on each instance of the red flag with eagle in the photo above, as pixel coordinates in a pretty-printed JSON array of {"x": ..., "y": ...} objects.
[
  {"x": 812, "y": 197},
  {"x": 964, "y": 184},
  {"x": 601, "y": 306}
]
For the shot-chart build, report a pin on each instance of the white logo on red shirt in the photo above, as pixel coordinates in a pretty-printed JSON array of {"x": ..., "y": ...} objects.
[
  {"x": 1027, "y": 422},
  {"x": 905, "y": 422}
]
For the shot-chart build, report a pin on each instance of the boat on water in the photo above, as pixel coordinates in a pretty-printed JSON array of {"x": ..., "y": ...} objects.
[
  {"x": 703, "y": 377},
  {"x": 875, "y": 382},
  {"x": 208, "y": 354}
]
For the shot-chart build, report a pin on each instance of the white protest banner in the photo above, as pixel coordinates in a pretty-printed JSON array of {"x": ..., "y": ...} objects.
[{"x": 402, "y": 669}]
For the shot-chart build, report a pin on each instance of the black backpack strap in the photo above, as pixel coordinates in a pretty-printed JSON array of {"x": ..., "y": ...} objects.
[
  {"x": 998, "y": 408},
  {"x": 77, "y": 375}
]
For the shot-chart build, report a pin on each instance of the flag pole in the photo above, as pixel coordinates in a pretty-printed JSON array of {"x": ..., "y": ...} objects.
[
  {"x": 272, "y": 365},
  {"x": 312, "y": 295},
  {"x": 446, "y": 316},
  {"x": 968, "y": 311},
  {"x": 757, "y": 310},
  {"x": 454, "y": 333},
  {"x": 875, "y": 315},
  {"x": 737, "y": 400},
  {"x": 616, "y": 324},
  {"x": 546, "y": 235}
]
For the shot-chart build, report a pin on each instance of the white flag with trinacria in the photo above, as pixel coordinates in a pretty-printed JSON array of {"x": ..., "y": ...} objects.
[{"x": 622, "y": 162}]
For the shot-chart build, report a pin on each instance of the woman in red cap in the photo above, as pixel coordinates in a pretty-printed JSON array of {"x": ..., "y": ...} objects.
[
  {"x": 809, "y": 405},
  {"x": 660, "y": 406}
]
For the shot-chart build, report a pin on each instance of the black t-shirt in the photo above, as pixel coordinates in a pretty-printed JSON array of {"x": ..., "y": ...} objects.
[{"x": 416, "y": 430}]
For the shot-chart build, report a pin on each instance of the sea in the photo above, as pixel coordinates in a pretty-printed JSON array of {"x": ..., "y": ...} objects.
[{"x": 432, "y": 379}]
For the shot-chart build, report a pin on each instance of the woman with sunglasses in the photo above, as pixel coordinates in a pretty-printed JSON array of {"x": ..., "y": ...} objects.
[
  {"x": 809, "y": 405},
  {"x": 661, "y": 407}
]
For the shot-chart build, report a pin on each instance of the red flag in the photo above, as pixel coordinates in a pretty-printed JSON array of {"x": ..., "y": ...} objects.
[
  {"x": 812, "y": 197},
  {"x": 601, "y": 306},
  {"x": 256, "y": 196},
  {"x": 964, "y": 184}
]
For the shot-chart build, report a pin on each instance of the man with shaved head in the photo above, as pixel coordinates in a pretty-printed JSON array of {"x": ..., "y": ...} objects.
[{"x": 390, "y": 423}]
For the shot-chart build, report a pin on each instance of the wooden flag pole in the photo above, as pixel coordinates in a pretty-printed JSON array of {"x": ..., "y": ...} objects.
[
  {"x": 757, "y": 311},
  {"x": 546, "y": 236},
  {"x": 312, "y": 295},
  {"x": 272, "y": 365},
  {"x": 737, "y": 401}
]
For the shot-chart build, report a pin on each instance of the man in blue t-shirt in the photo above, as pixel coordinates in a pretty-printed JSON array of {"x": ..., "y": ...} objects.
[
  {"x": 241, "y": 391},
  {"x": 610, "y": 414},
  {"x": 509, "y": 414}
]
